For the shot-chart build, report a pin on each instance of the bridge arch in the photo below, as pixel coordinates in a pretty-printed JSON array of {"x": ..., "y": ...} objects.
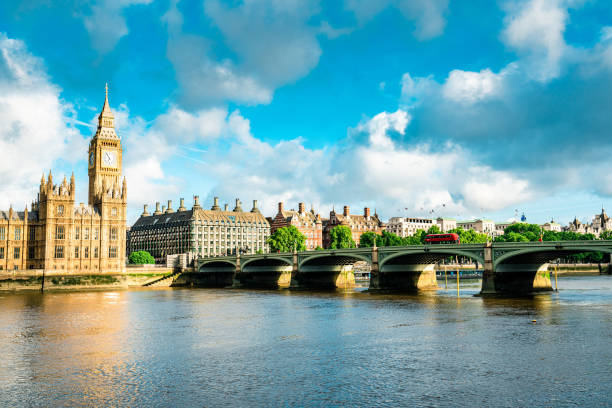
[
  {"x": 215, "y": 262},
  {"x": 545, "y": 254},
  {"x": 267, "y": 260},
  {"x": 429, "y": 256},
  {"x": 334, "y": 259}
]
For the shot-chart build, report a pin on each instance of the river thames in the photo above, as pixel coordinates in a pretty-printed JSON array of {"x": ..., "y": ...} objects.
[{"x": 243, "y": 348}]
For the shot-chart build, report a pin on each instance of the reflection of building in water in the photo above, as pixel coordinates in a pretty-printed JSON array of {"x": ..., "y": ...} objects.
[{"x": 56, "y": 234}]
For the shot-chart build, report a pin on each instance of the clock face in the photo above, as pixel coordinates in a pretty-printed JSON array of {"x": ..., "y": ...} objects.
[
  {"x": 92, "y": 155},
  {"x": 109, "y": 158}
]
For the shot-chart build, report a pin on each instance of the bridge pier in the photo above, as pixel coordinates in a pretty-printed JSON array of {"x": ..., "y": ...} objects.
[
  {"x": 272, "y": 276},
  {"x": 406, "y": 277},
  {"x": 325, "y": 276},
  {"x": 517, "y": 279}
]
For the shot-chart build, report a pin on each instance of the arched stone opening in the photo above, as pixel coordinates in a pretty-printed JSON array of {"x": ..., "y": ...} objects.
[
  {"x": 265, "y": 273},
  {"x": 328, "y": 271}
]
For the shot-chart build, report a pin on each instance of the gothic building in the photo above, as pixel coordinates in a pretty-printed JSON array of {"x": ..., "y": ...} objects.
[
  {"x": 357, "y": 223},
  {"x": 58, "y": 235}
]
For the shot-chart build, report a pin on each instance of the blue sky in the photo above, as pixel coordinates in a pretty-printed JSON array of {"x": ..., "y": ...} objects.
[{"x": 414, "y": 107}]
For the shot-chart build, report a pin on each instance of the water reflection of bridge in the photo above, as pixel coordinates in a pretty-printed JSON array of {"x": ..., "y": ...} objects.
[{"x": 517, "y": 267}]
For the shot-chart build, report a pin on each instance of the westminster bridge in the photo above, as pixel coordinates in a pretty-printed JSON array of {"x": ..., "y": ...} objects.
[{"x": 509, "y": 267}]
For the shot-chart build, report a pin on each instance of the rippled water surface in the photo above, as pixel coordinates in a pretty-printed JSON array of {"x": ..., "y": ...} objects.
[{"x": 203, "y": 347}]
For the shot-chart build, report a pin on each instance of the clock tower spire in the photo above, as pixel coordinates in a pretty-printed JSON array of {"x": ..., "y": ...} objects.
[{"x": 104, "y": 155}]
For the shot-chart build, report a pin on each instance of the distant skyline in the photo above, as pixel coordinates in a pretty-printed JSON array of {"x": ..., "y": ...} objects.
[{"x": 480, "y": 109}]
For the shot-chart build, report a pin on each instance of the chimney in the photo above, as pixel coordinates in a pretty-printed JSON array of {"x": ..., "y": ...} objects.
[
  {"x": 182, "y": 206},
  {"x": 346, "y": 211},
  {"x": 145, "y": 212},
  {"x": 169, "y": 209},
  {"x": 163, "y": 209},
  {"x": 215, "y": 206},
  {"x": 238, "y": 207},
  {"x": 255, "y": 209},
  {"x": 366, "y": 213},
  {"x": 157, "y": 209},
  {"x": 196, "y": 202},
  {"x": 280, "y": 207},
  {"x": 225, "y": 207},
  {"x": 301, "y": 208}
]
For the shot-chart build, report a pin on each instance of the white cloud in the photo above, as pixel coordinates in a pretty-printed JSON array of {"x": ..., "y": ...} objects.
[
  {"x": 34, "y": 124},
  {"x": 470, "y": 87},
  {"x": 535, "y": 30},
  {"x": 379, "y": 126},
  {"x": 428, "y": 15},
  {"x": 106, "y": 24}
]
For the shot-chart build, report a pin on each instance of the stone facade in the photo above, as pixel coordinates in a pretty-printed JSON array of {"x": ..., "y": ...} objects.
[
  {"x": 480, "y": 225},
  {"x": 58, "y": 235},
  {"x": 199, "y": 232},
  {"x": 307, "y": 222},
  {"x": 357, "y": 223}
]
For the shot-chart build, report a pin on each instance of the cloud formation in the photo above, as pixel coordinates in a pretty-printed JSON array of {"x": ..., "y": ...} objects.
[{"x": 32, "y": 114}]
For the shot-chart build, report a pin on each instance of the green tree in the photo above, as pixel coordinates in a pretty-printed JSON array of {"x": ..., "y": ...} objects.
[
  {"x": 434, "y": 229},
  {"x": 341, "y": 237},
  {"x": 318, "y": 248},
  {"x": 141, "y": 257},
  {"x": 285, "y": 239},
  {"x": 367, "y": 239},
  {"x": 606, "y": 235}
]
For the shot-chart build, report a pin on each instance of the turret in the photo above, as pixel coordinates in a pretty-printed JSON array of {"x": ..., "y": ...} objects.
[
  {"x": 72, "y": 184},
  {"x": 124, "y": 189}
]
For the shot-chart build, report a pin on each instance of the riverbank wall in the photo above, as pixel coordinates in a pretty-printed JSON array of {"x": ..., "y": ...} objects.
[{"x": 42, "y": 280}]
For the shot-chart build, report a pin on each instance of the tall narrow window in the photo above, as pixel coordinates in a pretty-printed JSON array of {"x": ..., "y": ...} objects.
[
  {"x": 17, "y": 253},
  {"x": 59, "y": 232},
  {"x": 113, "y": 234},
  {"x": 77, "y": 232},
  {"x": 31, "y": 252},
  {"x": 59, "y": 251},
  {"x": 95, "y": 252},
  {"x": 86, "y": 233},
  {"x": 96, "y": 233},
  {"x": 17, "y": 233},
  {"x": 113, "y": 211},
  {"x": 32, "y": 233},
  {"x": 76, "y": 252},
  {"x": 60, "y": 209},
  {"x": 112, "y": 252},
  {"x": 1, "y": 252},
  {"x": 2, "y": 234},
  {"x": 86, "y": 252}
]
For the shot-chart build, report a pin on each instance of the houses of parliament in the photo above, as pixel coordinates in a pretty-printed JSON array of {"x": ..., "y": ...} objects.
[{"x": 57, "y": 234}]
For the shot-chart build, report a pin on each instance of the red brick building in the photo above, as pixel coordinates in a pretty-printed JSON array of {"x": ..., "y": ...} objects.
[
  {"x": 307, "y": 222},
  {"x": 357, "y": 223}
]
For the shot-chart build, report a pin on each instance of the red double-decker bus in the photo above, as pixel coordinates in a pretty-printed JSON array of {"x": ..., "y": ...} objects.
[{"x": 442, "y": 239}]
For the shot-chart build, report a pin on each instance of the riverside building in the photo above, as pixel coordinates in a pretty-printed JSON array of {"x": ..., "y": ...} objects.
[
  {"x": 58, "y": 235},
  {"x": 307, "y": 222},
  {"x": 408, "y": 226},
  {"x": 199, "y": 232},
  {"x": 358, "y": 224}
]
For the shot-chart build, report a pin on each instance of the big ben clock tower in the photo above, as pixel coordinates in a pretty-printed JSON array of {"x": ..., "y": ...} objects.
[{"x": 104, "y": 157}]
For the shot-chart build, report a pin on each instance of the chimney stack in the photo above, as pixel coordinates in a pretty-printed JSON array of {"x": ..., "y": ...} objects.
[
  {"x": 366, "y": 213},
  {"x": 157, "y": 209},
  {"x": 215, "y": 206},
  {"x": 255, "y": 209},
  {"x": 169, "y": 209},
  {"x": 346, "y": 211},
  {"x": 225, "y": 207},
  {"x": 196, "y": 202},
  {"x": 182, "y": 206},
  {"x": 301, "y": 208},
  {"x": 280, "y": 207},
  {"x": 163, "y": 209},
  {"x": 145, "y": 212}
]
